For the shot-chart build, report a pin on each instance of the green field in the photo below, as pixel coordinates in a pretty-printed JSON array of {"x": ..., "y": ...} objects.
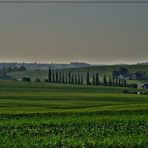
[{"x": 63, "y": 115}]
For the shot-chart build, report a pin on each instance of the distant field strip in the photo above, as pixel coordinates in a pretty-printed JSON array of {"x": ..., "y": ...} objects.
[
  {"x": 55, "y": 97},
  {"x": 20, "y": 97}
]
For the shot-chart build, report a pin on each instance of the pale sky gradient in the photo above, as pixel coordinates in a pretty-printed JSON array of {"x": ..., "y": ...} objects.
[{"x": 95, "y": 33}]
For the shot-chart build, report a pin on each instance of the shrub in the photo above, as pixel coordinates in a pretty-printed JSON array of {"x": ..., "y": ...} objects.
[
  {"x": 133, "y": 92},
  {"x": 134, "y": 85},
  {"x": 37, "y": 80},
  {"x": 26, "y": 79},
  {"x": 46, "y": 80},
  {"x": 125, "y": 91}
]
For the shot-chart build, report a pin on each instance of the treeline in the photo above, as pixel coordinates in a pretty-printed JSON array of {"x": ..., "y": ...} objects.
[
  {"x": 87, "y": 79},
  {"x": 4, "y": 72},
  {"x": 64, "y": 77},
  {"x": 124, "y": 73},
  {"x": 12, "y": 69}
]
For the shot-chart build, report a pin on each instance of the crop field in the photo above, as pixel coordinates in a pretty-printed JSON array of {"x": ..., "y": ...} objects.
[{"x": 63, "y": 115}]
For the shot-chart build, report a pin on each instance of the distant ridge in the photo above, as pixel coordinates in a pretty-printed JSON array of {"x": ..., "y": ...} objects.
[
  {"x": 43, "y": 66},
  {"x": 145, "y": 63}
]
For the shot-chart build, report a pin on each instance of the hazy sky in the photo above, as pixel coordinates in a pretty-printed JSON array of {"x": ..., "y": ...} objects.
[{"x": 95, "y": 33}]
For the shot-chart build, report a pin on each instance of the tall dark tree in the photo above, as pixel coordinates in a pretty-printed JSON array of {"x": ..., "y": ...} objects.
[
  {"x": 119, "y": 82},
  {"x": 72, "y": 79},
  {"x": 87, "y": 79},
  {"x": 97, "y": 79},
  {"x": 49, "y": 75},
  {"x": 63, "y": 78},
  {"x": 104, "y": 80},
  {"x": 60, "y": 77},
  {"x": 69, "y": 77},
  {"x": 81, "y": 79},
  {"x": 110, "y": 80},
  {"x": 53, "y": 77},
  {"x": 116, "y": 82},
  {"x": 94, "y": 80},
  {"x": 66, "y": 80},
  {"x": 57, "y": 77},
  {"x": 113, "y": 83},
  {"x": 125, "y": 83},
  {"x": 75, "y": 78}
]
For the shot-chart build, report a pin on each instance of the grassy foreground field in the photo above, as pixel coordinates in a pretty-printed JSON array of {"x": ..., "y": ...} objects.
[{"x": 60, "y": 115}]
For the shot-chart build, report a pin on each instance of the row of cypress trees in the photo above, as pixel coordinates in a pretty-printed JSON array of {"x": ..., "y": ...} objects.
[
  {"x": 78, "y": 78},
  {"x": 62, "y": 77}
]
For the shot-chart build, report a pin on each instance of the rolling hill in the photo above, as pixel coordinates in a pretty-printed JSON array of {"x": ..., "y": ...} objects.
[{"x": 102, "y": 70}]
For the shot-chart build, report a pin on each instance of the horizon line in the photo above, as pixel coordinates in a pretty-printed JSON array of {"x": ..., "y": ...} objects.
[{"x": 91, "y": 63}]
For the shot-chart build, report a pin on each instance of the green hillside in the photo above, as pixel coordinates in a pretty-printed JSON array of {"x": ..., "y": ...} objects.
[{"x": 102, "y": 70}]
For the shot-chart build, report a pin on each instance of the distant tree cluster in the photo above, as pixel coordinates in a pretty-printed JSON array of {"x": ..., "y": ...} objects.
[
  {"x": 21, "y": 68},
  {"x": 141, "y": 75},
  {"x": 26, "y": 79},
  {"x": 56, "y": 76},
  {"x": 64, "y": 77},
  {"x": 13, "y": 69},
  {"x": 59, "y": 76},
  {"x": 121, "y": 72},
  {"x": 4, "y": 76}
]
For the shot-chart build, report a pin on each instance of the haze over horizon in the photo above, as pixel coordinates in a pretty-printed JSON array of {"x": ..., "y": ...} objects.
[
  {"x": 63, "y": 33},
  {"x": 87, "y": 62}
]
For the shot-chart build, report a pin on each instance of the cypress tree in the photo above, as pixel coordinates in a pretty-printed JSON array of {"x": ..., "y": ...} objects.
[
  {"x": 87, "y": 79},
  {"x": 60, "y": 77},
  {"x": 104, "y": 80},
  {"x": 63, "y": 78},
  {"x": 66, "y": 77},
  {"x": 72, "y": 79},
  {"x": 94, "y": 80},
  {"x": 75, "y": 79},
  {"x": 97, "y": 79},
  {"x": 53, "y": 79},
  {"x": 81, "y": 79},
  {"x": 49, "y": 75},
  {"x": 69, "y": 77},
  {"x": 116, "y": 82},
  {"x": 113, "y": 81},
  {"x": 57, "y": 77},
  {"x": 125, "y": 83},
  {"x": 119, "y": 82},
  {"x": 110, "y": 81}
]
